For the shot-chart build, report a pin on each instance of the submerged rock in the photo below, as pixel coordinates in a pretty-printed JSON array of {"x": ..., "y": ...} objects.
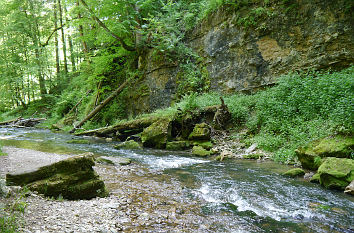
[
  {"x": 128, "y": 145},
  {"x": 200, "y": 151},
  {"x": 294, "y": 172},
  {"x": 336, "y": 173},
  {"x": 157, "y": 134},
  {"x": 73, "y": 178},
  {"x": 78, "y": 141},
  {"x": 350, "y": 188},
  {"x": 336, "y": 146},
  {"x": 177, "y": 145}
]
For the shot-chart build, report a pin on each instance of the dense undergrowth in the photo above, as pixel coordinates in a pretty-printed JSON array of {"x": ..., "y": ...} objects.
[{"x": 300, "y": 108}]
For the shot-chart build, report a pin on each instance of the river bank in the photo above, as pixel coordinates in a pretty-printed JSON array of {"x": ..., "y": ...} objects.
[
  {"x": 177, "y": 192},
  {"x": 139, "y": 201}
]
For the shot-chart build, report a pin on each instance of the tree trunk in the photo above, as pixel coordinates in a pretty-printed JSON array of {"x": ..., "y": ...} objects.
[
  {"x": 81, "y": 31},
  {"x": 63, "y": 37},
  {"x": 101, "y": 105},
  {"x": 57, "y": 60}
]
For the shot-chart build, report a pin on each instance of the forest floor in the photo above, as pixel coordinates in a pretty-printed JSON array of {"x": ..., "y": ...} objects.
[{"x": 139, "y": 201}]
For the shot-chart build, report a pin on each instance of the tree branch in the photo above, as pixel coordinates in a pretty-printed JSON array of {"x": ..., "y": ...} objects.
[
  {"x": 50, "y": 36},
  {"x": 125, "y": 46}
]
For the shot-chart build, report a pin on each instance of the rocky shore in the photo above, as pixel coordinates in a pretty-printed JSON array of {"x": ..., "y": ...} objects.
[{"x": 139, "y": 201}]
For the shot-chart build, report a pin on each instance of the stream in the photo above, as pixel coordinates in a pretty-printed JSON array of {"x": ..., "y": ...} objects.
[{"x": 232, "y": 196}]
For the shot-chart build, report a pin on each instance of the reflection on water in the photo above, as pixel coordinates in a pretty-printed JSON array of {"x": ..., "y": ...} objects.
[{"x": 237, "y": 196}]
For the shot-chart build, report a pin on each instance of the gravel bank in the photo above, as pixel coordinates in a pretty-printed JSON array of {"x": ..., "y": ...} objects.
[{"x": 140, "y": 201}]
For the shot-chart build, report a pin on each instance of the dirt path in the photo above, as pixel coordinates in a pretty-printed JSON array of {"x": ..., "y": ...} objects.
[{"x": 140, "y": 201}]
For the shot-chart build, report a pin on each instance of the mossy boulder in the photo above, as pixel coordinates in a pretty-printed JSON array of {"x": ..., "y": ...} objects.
[
  {"x": 201, "y": 132},
  {"x": 205, "y": 144},
  {"x": 73, "y": 179},
  {"x": 177, "y": 145},
  {"x": 335, "y": 146},
  {"x": 315, "y": 178},
  {"x": 157, "y": 134},
  {"x": 128, "y": 145},
  {"x": 336, "y": 173},
  {"x": 200, "y": 151},
  {"x": 294, "y": 172}
]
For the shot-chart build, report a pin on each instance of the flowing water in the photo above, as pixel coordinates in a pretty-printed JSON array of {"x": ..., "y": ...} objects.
[{"x": 233, "y": 196}]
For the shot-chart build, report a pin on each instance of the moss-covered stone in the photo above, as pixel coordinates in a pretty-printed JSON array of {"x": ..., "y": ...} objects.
[
  {"x": 205, "y": 144},
  {"x": 252, "y": 156},
  {"x": 294, "y": 172},
  {"x": 73, "y": 178},
  {"x": 104, "y": 161},
  {"x": 315, "y": 178},
  {"x": 78, "y": 141},
  {"x": 336, "y": 173},
  {"x": 177, "y": 145},
  {"x": 157, "y": 134},
  {"x": 335, "y": 146},
  {"x": 200, "y": 132},
  {"x": 128, "y": 145},
  {"x": 200, "y": 151}
]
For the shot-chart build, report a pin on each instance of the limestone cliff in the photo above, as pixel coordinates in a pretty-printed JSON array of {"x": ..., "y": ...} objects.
[{"x": 248, "y": 48}]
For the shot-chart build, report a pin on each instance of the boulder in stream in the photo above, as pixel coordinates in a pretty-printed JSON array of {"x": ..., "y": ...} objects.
[
  {"x": 157, "y": 134},
  {"x": 128, "y": 145},
  {"x": 73, "y": 178},
  {"x": 334, "y": 146},
  {"x": 336, "y": 173},
  {"x": 294, "y": 172},
  {"x": 200, "y": 151}
]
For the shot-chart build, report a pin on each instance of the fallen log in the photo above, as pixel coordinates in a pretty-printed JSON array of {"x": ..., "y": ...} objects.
[
  {"x": 10, "y": 121},
  {"x": 20, "y": 122},
  {"x": 101, "y": 105},
  {"x": 133, "y": 125}
]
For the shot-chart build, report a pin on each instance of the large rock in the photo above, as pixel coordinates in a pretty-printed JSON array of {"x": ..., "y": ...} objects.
[
  {"x": 73, "y": 178},
  {"x": 200, "y": 151},
  {"x": 128, "y": 145},
  {"x": 335, "y": 146},
  {"x": 157, "y": 134},
  {"x": 336, "y": 173},
  {"x": 200, "y": 132},
  {"x": 294, "y": 172}
]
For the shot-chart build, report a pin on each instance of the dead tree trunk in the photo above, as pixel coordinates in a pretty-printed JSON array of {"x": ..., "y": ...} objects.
[{"x": 101, "y": 105}]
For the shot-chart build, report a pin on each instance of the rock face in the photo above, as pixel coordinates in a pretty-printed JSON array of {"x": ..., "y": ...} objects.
[
  {"x": 336, "y": 146},
  {"x": 336, "y": 173},
  {"x": 248, "y": 48},
  {"x": 73, "y": 178}
]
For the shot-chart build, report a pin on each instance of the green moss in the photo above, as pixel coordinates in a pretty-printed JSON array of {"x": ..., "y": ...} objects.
[
  {"x": 200, "y": 151},
  {"x": 157, "y": 134},
  {"x": 205, "y": 144},
  {"x": 200, "y": 132},
  {"x": 128, "y": 145},
  {"x": 315, "y": 178},
  {"x": 177, "y": 145},
  {"x": 252, "y": 156},
  {"x": 294, "y": 172},
  {"x": 336, "y": 173},
  {"x": 335, "y": 146},
  {"x": 78, "y": 141}
]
